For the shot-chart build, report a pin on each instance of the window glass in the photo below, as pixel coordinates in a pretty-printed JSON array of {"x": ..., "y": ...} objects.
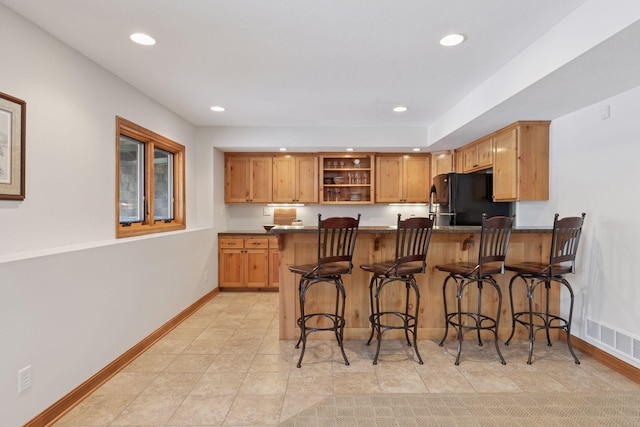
[
  {"x": 150, "y": 181},
  {"x": 131, "y": 180},
  {"x": 162, "y": 185}
]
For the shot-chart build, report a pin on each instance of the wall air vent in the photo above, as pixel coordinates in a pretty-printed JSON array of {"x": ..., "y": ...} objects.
[{"x": 621, "y": 342}]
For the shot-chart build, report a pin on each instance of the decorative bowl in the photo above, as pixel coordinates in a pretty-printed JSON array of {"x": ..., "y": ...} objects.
[
  {"x": 268, "y": 227},
  {"x": 337, "y": 180}
]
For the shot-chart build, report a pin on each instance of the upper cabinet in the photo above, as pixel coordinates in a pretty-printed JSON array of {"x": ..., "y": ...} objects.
[
  {"x": 442, "y": 163},
  {"x": 247, "y": 179},
  {"x": 295, "y": 179},
  {"x": 402, "y": 178},
  {"x": 477, "y": 156},
  {"x": 346, "y": 178},
  {"x": 521, "y": 162}
]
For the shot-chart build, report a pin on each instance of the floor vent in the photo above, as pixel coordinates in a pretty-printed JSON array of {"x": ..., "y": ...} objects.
[{"x": 620, "y": 341}]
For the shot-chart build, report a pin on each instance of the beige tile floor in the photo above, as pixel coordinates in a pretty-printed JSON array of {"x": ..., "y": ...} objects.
[{"x": 225, "y": 366}]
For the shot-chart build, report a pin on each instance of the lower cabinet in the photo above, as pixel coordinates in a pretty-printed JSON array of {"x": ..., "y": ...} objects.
[{"x": 248, "y": 262}]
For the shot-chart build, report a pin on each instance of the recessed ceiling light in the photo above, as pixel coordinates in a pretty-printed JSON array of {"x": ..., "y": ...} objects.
[
  {"x": 283, "y": 149},
  {"x": 400, "y": 109},
  {"x": 349, "y": 149},
  {"x": 452, "y": 40},
  {"x": 142, "y": 39},
  {"x": 217, "y": 109},
  {"x": 416, "y": 149}
]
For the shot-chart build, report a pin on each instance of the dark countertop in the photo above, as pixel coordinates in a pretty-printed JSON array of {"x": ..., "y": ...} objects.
[{"x": 380, "y": 229}]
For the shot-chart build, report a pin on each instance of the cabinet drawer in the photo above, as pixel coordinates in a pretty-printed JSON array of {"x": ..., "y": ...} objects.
[
  {"x": 256, "y": 243},
  {"x": 230, "y": 243}
]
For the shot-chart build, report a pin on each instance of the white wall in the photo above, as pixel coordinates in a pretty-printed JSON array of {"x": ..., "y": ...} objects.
[
  {"x": 72, "y": 297},
  {"x": 594, "y": 170}
]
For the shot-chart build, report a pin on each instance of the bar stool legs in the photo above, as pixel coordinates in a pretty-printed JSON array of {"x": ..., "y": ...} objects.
[
  {"x": 336, "y": 318},
  {"x": 535, "y": 321},
  {"x": 409, "y": 321},
  {"x": 464, "y": 321}
]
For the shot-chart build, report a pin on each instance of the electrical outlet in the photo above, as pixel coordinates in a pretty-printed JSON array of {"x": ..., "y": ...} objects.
[
  {"x": 266, "y": 211},
  {"x": 206, "y": 276},
  {"x": 24, "y": 378},
  {"x": 605, "y": 113}
]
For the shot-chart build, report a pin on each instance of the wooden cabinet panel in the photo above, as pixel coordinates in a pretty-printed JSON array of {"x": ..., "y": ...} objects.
[
  {"x": 505, "y": 168},
  {"x": 521, "y": 163},
  {"x": 295, "y": 179},
  {"x": 274, "y": 263},
  {"x": 248, "y": 262},
  {"x": 257, "y": 268},
  {"x": 237, "y": 178},
  {"x": 307, "y": 179},
  {"x": 261, "y": 180},
  {"x": 441, "y": 163},
  {"x": 284, "y": 179},
  {"x": 402, "y": 178},
  {"x": 469, "y": 158},
  {"x": 231, "y": 267},
  {"x": 389, "y": 179},
  {"x": 248, "y": 179},
  {"x": 416, "y": 182},
  {"x": 485, "y": 154}
]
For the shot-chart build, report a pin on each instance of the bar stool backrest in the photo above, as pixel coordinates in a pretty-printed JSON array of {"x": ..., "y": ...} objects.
[
  {"x": 337, "y": 241},
  {"x": 412, "y": 242},
  {"x": 564, "y": 243},
  {"x": 494, "y": 240}
]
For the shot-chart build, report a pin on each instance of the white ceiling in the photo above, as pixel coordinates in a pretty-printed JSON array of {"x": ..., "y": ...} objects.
[{"x": 326, "y": 63}]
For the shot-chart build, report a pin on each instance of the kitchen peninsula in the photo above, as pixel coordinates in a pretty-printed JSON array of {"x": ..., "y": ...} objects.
[{"x": 298, "y": 245}]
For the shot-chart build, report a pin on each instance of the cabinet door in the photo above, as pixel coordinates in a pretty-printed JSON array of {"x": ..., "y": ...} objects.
[
  {"x": 261, "y": 180},
  {"x": 389, "y": 179},
  {"x": 231, "y": 268},
  {"x": 306, "y": 179},
  {"x": 505, "y": 166},
  {"x": 441, "y": 163},
  {"x": 416, "y": 182},
  {"x": 284, "y": 179},
  {"x": 485, "y": 154},
  {"x": 257, "y": 267},
  {"x": 237, "y": 179},
  {"x": 470, "y": 158}
]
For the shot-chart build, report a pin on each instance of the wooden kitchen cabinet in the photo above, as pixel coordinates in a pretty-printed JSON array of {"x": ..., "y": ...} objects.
[
  {"x": 477, "y": 156},
  {"x": 295, "y": 179},
  {"x": 248, "y": 179},
  {"x": 247, "y": 262},
  {"x": 441, "y": 163},
  {"x": 521, "y": 162},
  {"x": 402, "y": 178}
]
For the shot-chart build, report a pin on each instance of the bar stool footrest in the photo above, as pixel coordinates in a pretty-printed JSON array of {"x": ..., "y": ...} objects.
[
  {"x": 541, "y": 320},
  {"x": 478, "y": 319},
  {"x": 408, "y": 319}
]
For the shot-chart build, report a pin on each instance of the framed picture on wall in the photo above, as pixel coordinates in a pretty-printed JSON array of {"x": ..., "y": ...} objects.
[{"x": 12, "y": 147}]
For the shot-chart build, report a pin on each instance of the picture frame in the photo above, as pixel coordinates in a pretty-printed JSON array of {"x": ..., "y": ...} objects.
[{"x": 12, "y": 147}]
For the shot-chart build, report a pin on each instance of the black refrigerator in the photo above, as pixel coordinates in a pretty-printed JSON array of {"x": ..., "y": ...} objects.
[{"x": 461, "y": 199}]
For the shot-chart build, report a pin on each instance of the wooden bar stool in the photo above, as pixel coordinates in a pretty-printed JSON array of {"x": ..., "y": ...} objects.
[
  {"x": 412, "y": 242},
  {"x": 494, "y": 241},
  {"x": 562, "y": 259},
  {"x": 336, "y": 243}
]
